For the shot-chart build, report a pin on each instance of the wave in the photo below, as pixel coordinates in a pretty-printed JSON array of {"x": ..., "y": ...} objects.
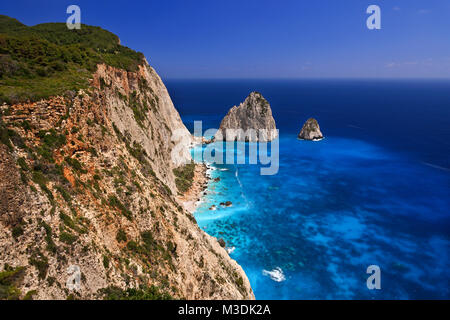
[
  {"x": 313, "y": 140},
  {"x": 275, "y": 274}
]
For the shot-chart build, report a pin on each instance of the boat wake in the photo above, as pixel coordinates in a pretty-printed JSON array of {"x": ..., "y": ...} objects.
[
  {"x": 236, "y": 174},
  {"x": 436, "y": 166}
]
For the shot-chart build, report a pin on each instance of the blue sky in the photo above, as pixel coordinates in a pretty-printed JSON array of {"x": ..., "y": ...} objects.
[{"x": 268, "y": 39}]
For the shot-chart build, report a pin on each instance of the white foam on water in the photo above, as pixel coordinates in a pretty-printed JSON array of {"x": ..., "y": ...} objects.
[
  {"x": 230, "y": 249},
  {"x": 276, "y": 274}
]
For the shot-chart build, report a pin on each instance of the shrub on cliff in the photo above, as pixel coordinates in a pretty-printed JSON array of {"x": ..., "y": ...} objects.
[
  {"x": 9, "y": 278},
  {"x": 142, "y": 293},
  {"x": 184, "y": 176}
]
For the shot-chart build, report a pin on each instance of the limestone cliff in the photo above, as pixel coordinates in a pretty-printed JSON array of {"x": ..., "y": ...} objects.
[
  {"x": 86, "y": 182},
  {"x": 310, "y": 130},
  {"x": 140, "y": 107},
  {"x": 252, "y": 120}
]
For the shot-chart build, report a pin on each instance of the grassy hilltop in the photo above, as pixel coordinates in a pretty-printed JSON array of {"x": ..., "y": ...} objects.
[{"x": 49, "y": 59}]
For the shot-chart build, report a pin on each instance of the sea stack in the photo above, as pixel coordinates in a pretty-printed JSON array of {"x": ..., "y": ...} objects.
[
  {"x": 311, "y": 131},
  {"x": 252, "y": 121}
]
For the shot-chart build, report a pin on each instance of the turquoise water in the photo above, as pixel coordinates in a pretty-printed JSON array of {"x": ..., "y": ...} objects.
[{"x": 335, "y": 207}]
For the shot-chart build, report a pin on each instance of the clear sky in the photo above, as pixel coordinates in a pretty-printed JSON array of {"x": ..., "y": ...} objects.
[{"x": 268, "y": 38}]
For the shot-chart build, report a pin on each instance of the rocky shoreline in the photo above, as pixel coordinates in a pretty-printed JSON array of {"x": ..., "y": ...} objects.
[{"x": 193, "y": 196}]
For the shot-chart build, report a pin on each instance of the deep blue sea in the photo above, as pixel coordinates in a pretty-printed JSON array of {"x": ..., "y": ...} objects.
[{"x": 375, "y": 191}]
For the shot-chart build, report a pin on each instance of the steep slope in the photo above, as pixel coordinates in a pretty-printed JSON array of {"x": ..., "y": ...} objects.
[
  {"x": 87, "y": 183},
  {"x": 252, "y": 120}
]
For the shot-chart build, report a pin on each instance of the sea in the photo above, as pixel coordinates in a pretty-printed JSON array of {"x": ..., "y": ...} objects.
[{"x": 362, "y": 214}]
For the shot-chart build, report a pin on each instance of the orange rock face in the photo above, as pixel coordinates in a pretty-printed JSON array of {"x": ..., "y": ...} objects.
[{"x": 69, "y": 176}]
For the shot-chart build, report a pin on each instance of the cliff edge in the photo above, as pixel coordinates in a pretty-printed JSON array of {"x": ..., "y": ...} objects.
[{"x": 87, "y": 190}]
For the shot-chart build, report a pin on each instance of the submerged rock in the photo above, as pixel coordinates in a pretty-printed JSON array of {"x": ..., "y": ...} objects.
[
  {"x": 222, "y": 243},
  {"x": 252, "y": 121},
  {"x": 226, "y": 204},
  {"x": 310, "y": 130}
]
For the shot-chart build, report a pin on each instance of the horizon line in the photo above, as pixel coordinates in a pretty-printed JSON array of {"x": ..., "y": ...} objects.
[{"x": 307, "y": 78}]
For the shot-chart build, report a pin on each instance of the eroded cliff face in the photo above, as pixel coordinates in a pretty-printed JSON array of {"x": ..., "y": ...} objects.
[
  {"x": 252, "y": 120},
  {"x": 140, "y": 107},
  {"x": 86, "y": 182}
]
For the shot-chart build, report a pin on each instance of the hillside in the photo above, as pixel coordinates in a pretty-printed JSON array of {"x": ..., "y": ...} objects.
[
  {"x": 48, "y": 59},
  {"x": 87, "y": 162}
]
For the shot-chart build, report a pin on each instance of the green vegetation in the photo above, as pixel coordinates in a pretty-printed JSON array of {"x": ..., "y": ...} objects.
[
  {"x": 66, "y": 196},
  {"x": 106, "y": 262},
  {"x": 9, "y": 279},
  {"x": 115, "y": 203},
  {"x": 133, "y": 246},
  {"x": 41, "y": 263},
  {"x": 29, "y": 295},
  {"x": 50, "y": 140},
  {"x": 147, "y": 239},
  {"x": 23, "y": 164},
  {"x": 184, "y": 176},
  {"x": 137, "y": 151},
  {"x": 143, "y": 293},
  {"x": 26, "y": 125},
  {"x": 93, "y": 151},
  {"x": 139, "y": 110},
  {"x": 67, "y": 220},
  {"x": 74, "y": 163},
  {"x": 240, "y": 281},
  {"x": 51, "y": 280},
  {"x": 121, "y": 236},
  {"x": 17, "y": 231},
  {"x": 71, "y": 223},
  {"x": 67, "y": 238},
  {"x": 166, "y": 190},
  {"x": 41, "y": 180},
  {"x": 74, "y": 130},
  {"x": 49, "y": 59},
  {"x": 149, "y": 250},
  {"x": 7, "y": 136},
  {"x": 51, "y": 246}
]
